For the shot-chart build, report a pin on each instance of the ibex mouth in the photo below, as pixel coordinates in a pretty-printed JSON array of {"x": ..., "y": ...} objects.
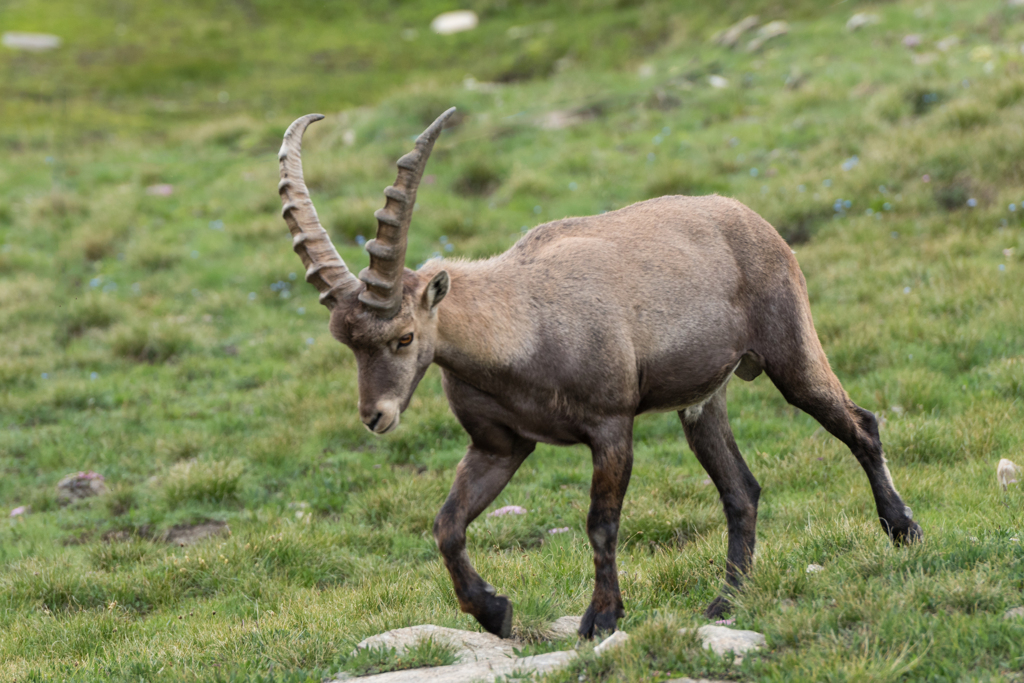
[{"x": 384, "y": 430}]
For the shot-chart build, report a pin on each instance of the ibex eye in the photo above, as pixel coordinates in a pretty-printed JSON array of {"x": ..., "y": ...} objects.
[{"x": 405, "y": 340}]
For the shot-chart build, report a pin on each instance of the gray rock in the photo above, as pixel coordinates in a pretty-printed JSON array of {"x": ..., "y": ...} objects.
[
  {"x": 611, "y": 642},
  {"x": 473, "y": 672},
  {"x": 32, "y": 42},
  {"x": 722, "y": 639},
  {"x": 1015, "y": 613},
  {"x": 80, "y": 485},
  {"x": 469, "y": 646},
  {"x": 564, "y": 627},
  {"x": 730, "y": 36}
]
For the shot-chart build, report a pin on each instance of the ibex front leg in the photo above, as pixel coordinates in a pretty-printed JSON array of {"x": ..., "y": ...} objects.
[
  {"x": 613, "y": 463},
  {"x": 479, "y": 479}
]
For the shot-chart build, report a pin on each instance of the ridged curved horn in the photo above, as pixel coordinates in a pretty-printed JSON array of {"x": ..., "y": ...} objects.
[
  {"x": 324, "y": 268},
  {"x": 387, "y": 251}
]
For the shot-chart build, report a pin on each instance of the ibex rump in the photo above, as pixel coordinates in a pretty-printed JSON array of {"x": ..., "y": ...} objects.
[{"x": 563, "y": 339}]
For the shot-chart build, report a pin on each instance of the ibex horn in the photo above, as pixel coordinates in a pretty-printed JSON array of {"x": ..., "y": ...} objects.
[
  {"x": 383, "y": 278},
  {"x": 325, "y": 269}
]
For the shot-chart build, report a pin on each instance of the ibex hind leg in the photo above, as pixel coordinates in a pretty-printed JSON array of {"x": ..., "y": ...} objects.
[
  {"x": 802, "y": 373},
  {"x": 480, "y": 477},
  {"x": 710, "y": 437}
]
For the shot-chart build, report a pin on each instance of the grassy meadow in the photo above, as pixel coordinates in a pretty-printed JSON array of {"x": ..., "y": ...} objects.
[{"x": 155, "y": 328}]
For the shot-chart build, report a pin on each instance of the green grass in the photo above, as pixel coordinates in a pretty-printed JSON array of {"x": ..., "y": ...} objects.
[{"x": 169, "y": 343}]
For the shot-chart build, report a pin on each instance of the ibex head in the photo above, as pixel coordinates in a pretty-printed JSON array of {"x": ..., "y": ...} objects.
[{"x": 388, "y": 315}]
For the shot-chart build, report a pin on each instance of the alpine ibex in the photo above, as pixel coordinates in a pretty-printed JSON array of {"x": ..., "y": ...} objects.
[{"x": 569, "y": 335}]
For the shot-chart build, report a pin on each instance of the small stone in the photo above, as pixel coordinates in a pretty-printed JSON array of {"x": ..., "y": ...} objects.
[
  {"x": 1015, "y": 613},
  {"x": 771, "y": 30},
  {"x": 722, "y": 639},
  {"x": 160, "y": 190},
  {"x": 948, "y": 43},
  {"x": 718, "y": 82},
  {"x": 612, "y": 642},
  {"x": 31, "y": 42},
  {"x": 814, "y": 568},
  {"x": 730, "y": 36},
  {"x": 458, "y": 21},
  {"x": 80, "y": 485},
  {"x": 862, "y": 19}
]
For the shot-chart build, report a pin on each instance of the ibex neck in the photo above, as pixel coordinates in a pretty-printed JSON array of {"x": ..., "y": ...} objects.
[{"x": 482, "y": 323}]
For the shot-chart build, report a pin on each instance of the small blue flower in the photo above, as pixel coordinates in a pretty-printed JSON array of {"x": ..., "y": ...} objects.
[
  {"x": 95, "y": 282},
  {"x": 449, "y": 247},
  {"x": 309, "y": 341},
  {"x": 443, "y": 239},
  {"x": 292, "y": 276},
  {"x": 895, "y": 235},
  {"x": 801, "y": 188},
  {"x": 882, "y": 189},
  {"x": 666, "y": 130},
  {"x": 906, "y": 290},
  {"x": 360, "y": 240},
  {"x": 1012, "y": 207},
  {"x": 46, "y": 375},
  {"x": 573, "y": 186},
  {"x": 1002, "y": 266},
  {"x": 217, "y": 225},
  {"x": 252, "y": 296},
  {"x": 301, "y": 310},
  {"x": 754, "y": 172},
  {"x": 887, "y": 206},
  {"x": 847, "y": 204},
  {"x": 93, "y": 375},
  {"x": 972, "y": 202}
]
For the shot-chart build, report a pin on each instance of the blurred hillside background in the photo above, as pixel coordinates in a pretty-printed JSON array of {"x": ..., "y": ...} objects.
[{"x": 159, "y": 347}]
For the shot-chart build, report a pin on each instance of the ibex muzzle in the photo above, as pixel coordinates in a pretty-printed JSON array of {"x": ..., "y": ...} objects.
[{"x": 579, "y": 327}]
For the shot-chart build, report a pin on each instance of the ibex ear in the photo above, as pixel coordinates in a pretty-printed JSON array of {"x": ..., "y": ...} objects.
[{"x": 436, "y": 289}]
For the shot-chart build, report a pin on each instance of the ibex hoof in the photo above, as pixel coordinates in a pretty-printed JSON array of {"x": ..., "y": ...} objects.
[
  {"x": 594, "y": 622},
  {"x": 497, "y": 616},
  {"x": 912, "y": 534},
  {"x": 717, "y": 608}
]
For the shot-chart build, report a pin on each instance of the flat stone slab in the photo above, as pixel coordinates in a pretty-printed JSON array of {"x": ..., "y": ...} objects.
[
  {"x": 473, "y": 672},
  {"x": 564, "y": 627},
  {"x": 722, "y": 639},
  {"x": 470, "y": 646}
]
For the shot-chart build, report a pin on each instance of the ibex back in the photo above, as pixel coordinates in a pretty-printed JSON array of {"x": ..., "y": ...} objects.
[{"x": 563, "y": 339}]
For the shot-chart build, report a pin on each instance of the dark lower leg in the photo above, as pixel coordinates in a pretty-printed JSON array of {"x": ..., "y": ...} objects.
[
  {"x": 711, "y": 440},
  {"x": 478, "y": 481},
  {"x": 612, "y": 469}
]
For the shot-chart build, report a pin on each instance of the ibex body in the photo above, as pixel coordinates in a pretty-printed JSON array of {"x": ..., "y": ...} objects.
[{"x": 566, "y": 337}]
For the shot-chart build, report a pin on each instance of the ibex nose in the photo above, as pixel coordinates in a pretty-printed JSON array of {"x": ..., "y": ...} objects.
[{"x": 373, "y": 422}]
